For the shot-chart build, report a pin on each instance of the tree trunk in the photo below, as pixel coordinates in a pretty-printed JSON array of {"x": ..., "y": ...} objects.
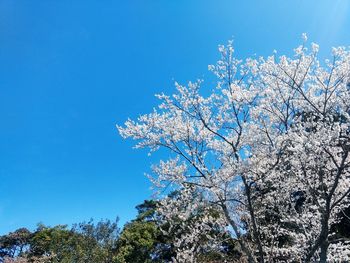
[
  {"x": 323, "y": 254},
  {"x": 247, "y": 251},
  {"x": 256, "y": 232}
]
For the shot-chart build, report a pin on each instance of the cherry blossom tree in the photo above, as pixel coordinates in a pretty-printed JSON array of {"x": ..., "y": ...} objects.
[{"x": 268, "y": 147}]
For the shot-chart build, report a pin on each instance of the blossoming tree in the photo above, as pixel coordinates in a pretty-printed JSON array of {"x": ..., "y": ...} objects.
[{"x": 268, "y": 148}]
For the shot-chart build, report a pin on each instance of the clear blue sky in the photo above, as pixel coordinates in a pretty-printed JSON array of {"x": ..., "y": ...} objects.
[{"x": 71, "y": 70}]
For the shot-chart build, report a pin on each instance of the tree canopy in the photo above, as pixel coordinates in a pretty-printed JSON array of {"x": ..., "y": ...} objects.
[{"x": 268, "y": 149}]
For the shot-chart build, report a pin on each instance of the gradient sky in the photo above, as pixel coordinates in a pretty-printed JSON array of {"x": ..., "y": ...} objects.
[{"x": 71, "y": 70}]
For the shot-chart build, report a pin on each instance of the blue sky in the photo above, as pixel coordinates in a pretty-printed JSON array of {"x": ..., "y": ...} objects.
[{"x": 71, "y": 70}]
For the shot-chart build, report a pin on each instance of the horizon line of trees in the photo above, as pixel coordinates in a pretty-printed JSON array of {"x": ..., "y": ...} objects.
[{"x": 142, "y": 240}]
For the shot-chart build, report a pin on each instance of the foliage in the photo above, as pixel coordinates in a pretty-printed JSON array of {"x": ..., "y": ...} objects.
[
  {"x": 14, "y": 243},
  {"x": 136, "y": 242},
  {"x": 85, "y": 242}
]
